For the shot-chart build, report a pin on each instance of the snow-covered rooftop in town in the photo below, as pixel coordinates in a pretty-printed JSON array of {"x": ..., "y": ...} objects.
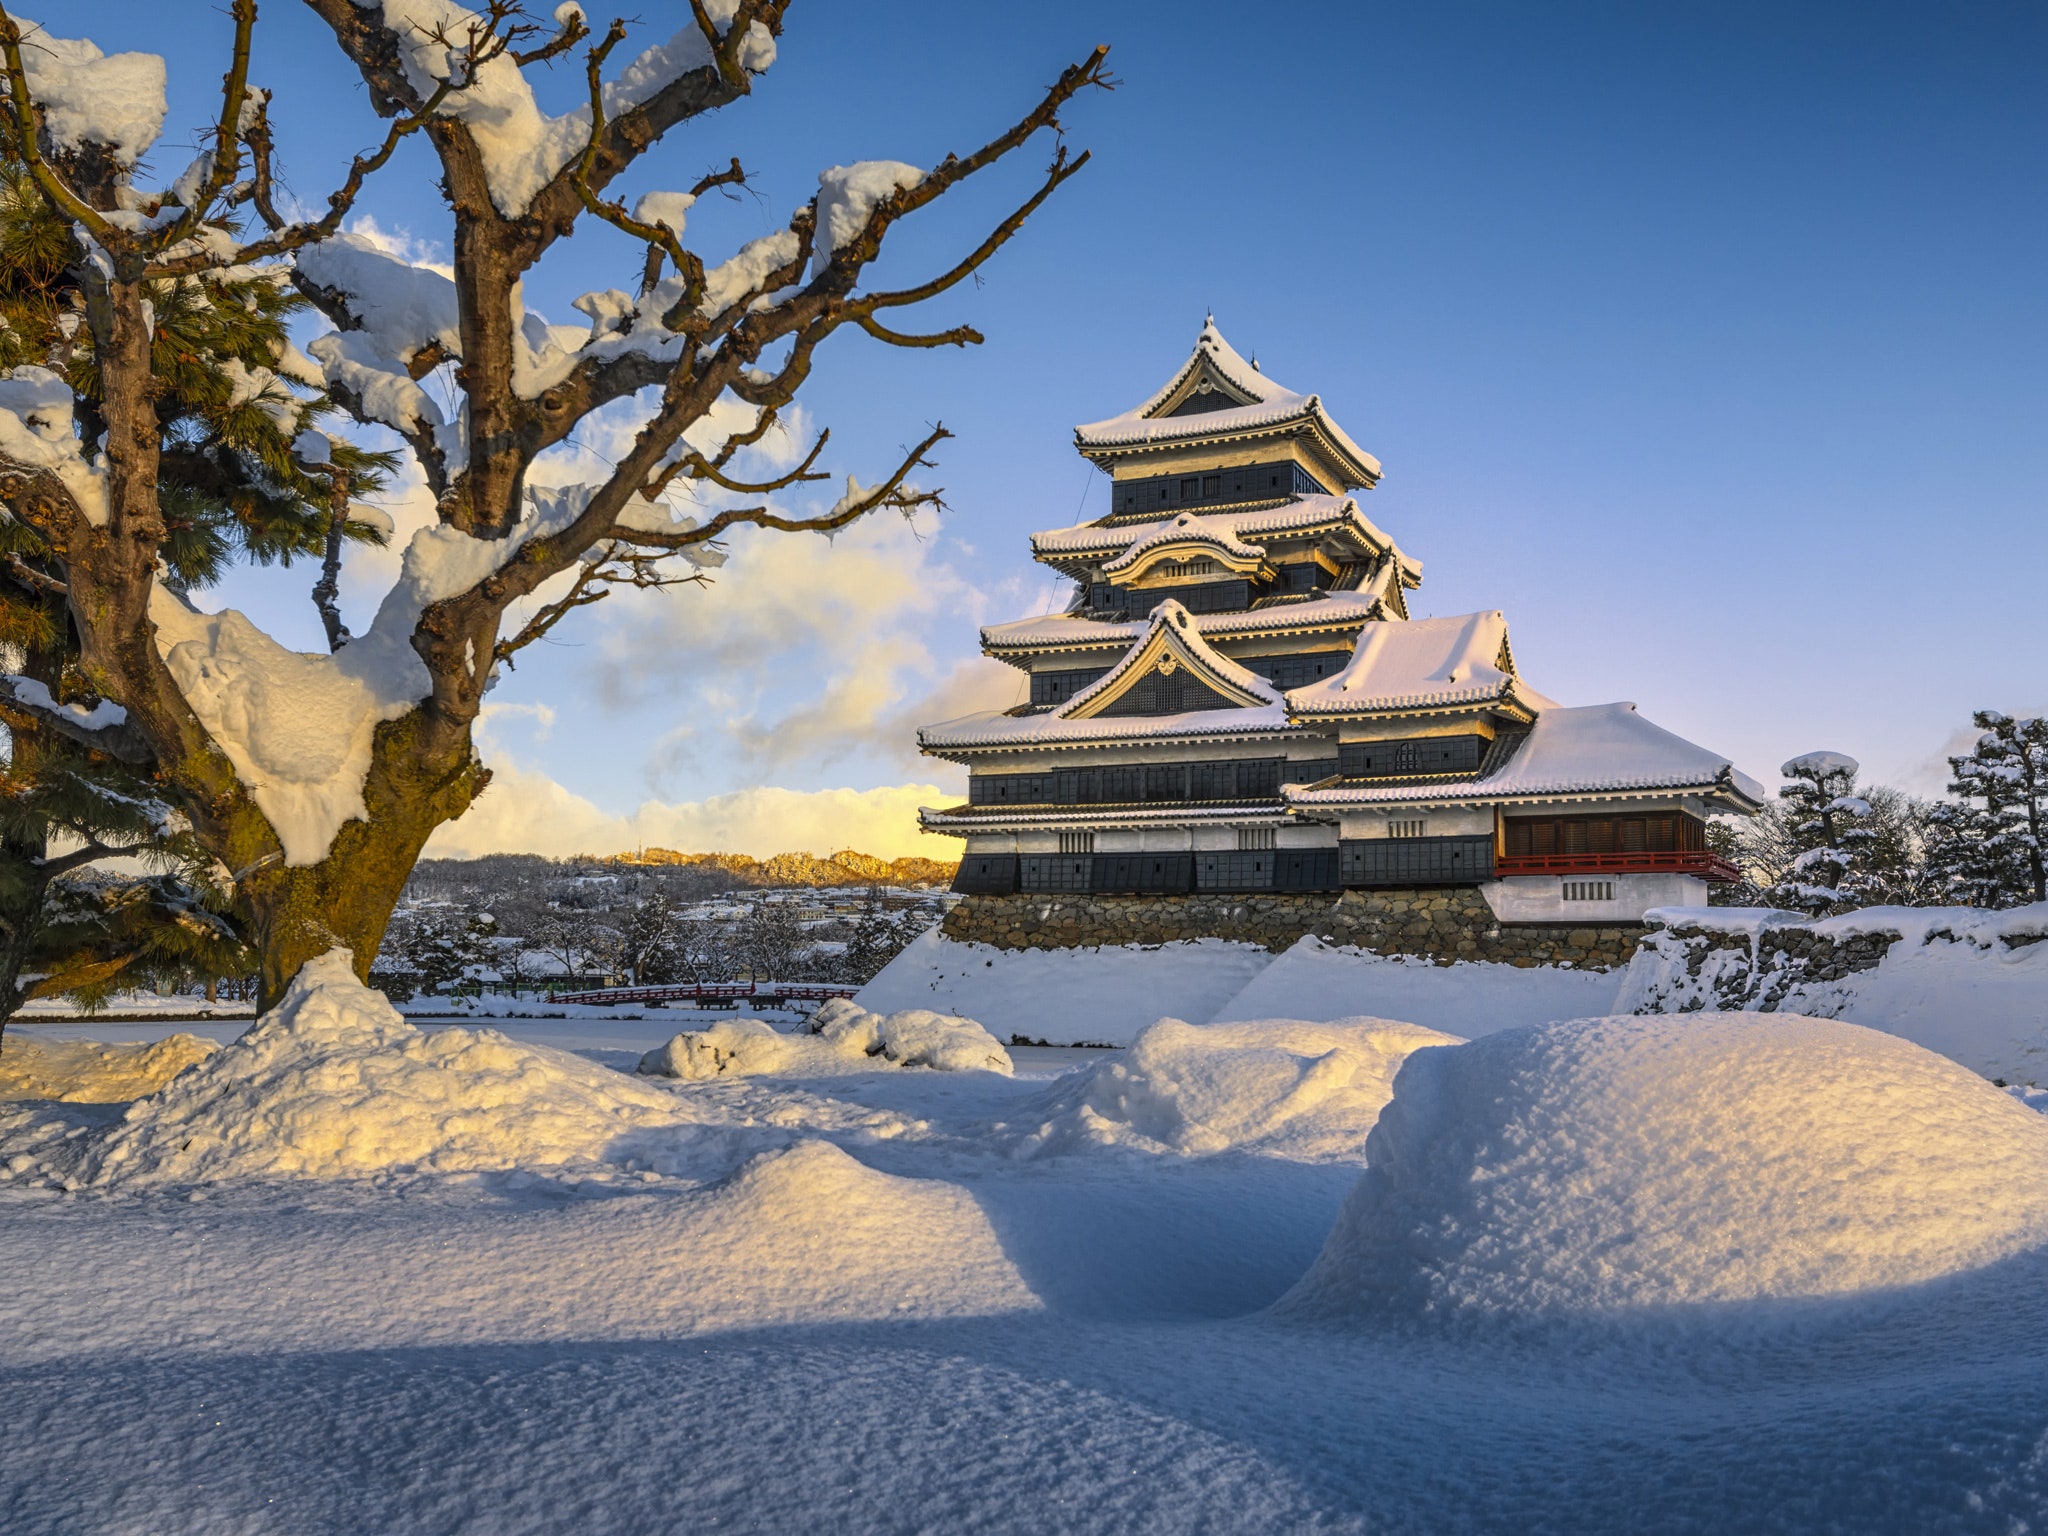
[
  {"x": 1420, "y": 664},
  {"x": 1597, "y": 748},
  {"x": 1267, "y": 403}
]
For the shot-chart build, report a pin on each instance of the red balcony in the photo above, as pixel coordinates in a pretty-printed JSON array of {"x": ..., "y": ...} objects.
[{"x": 1697, "y": 862}]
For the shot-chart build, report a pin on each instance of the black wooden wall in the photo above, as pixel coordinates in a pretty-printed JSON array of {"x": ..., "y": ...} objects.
[
  {"x": 1162, "y": 494},
  {"x": 1411, "y": 755}
]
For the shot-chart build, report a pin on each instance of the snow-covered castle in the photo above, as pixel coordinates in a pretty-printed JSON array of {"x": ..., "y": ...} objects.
[{"x": 1236, "y": 715}]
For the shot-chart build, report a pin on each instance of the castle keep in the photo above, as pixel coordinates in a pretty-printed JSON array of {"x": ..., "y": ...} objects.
[{"x": 1237, "y": 728}]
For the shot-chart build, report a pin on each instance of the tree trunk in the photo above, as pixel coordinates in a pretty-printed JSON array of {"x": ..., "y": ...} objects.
[{"x": 347, "y": 898}]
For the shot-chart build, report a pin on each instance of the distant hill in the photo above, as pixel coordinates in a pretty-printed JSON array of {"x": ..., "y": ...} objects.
[{"x": 801, "y": 869}]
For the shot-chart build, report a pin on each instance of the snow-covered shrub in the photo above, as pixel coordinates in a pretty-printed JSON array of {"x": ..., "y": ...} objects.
[
  {"x": 842, "y": 1038},
  {"x": 1613, "y": 1165},
  {"x": 1282, "y": 1086}
]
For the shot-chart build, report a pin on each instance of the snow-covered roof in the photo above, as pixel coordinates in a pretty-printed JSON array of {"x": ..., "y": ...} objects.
[
  {"x": 1065, "y": 631},
  {"x": 1256, "y": 403},
  {"x": 1420, "y": 664},
  {"x": 1303, "y": 515},
  {"x": 1597, "y": 749},
  {"x": 1171, "y": 639},
  {"x": 961, "y": 819},
  {"x": 994, "y": 729},
  {"x": 1217, "y": 537}
]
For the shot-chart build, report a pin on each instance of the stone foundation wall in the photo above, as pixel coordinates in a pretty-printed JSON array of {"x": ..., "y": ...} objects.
[
  {"x": 1693, "y": 968},
  {"x": 1443, "y": 923}
]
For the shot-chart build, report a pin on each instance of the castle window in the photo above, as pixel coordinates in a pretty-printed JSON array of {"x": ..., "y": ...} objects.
[
  {"x": 1212, "y": 485},
  {"x": 1249, "y": 838},
  {"x": 1077, "y": 842},
  {"x": 1588, "y": 890},
  {"x": 1189, "y": 489},
  {"x": 1406, "y": 828}
]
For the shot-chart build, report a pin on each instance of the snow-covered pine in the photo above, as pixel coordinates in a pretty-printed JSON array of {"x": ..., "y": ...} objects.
[
  {"x": 1823, "y": 817},
  {"x": 1987, "y": 847},
  {"x": 324, "y": 806}
]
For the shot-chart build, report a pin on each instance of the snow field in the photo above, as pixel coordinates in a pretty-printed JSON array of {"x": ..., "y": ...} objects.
[
  {"x": 869, "y": 1300},
  {"x": 1612, "y": 1165}
]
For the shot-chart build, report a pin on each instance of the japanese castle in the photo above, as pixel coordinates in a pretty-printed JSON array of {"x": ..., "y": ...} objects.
[{"x": 1236, "y": 700}]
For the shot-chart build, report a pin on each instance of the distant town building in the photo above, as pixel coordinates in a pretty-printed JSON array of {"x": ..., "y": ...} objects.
[{"x": 1237, "y": 702}]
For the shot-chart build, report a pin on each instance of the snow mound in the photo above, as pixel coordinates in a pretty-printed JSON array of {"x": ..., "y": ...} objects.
[
  {"x": 1616, "y": 1164},
  {"x": 842, "y": 1038},
  {"x": 1284, "y": 1087},
  {"x": 332, "y": 1083},
  {"x": 808, "y": 1233},
  {"x": 90, "y": 1072}
]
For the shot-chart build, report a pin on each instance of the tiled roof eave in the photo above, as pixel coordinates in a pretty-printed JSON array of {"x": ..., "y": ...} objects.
[
  {"x": 1473, "y": 793},
  {"x": 959, "y": 750},
  {"x": 1006, "y": 817},
  {"x": 1335, "y": 624},
  {"x": 1401, "y": 704}
]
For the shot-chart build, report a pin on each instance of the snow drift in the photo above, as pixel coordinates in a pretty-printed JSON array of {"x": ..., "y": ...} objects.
[
  {"x": 332, "y": 1083},
  {"x": 1968, "y": 983},
  {"x": 1315, "y": 980},
  {"x": 90, "y": 1072},
  {"x": 842, "y": 1038},
  {"x": 1065, "y": 996},
  {"x": 1610, "y": 1165},
  {"x": 1282, "y": 1087}
]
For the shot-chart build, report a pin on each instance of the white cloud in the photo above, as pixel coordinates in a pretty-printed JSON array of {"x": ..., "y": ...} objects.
[
  {"x": 526, "y": 812},
  {"x": 804, "y": 652}
]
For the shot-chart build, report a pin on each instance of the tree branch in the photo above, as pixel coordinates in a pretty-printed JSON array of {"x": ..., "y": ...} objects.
[
  {"x": 849, "y": 509},
  {"x": 119, "y": 739}
]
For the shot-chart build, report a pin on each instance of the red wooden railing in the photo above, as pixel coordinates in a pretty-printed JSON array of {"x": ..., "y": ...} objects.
[
  {"x": 1707, "y": 866},
  {"x": 714, "y": 991}
]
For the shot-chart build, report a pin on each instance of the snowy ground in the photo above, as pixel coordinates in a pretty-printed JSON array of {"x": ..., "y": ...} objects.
[{"x": 908, "y": 1300}]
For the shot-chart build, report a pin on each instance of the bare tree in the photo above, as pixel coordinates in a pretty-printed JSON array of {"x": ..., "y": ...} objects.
[{"x": 320, "y": 853}]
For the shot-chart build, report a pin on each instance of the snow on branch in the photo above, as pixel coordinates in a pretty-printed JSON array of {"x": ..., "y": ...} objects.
[
  {"x": 37, "y": 437},
  {"x": 103, "y": 728}
]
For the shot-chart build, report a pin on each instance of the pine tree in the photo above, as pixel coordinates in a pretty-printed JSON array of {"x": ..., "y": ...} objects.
[
  {"x": 1987, "y": 844},
  {"x": 1823, "y": 822},
  {"x": 877, "y": 939},
  {"x": 442, "y": 946},
  {"x": 79, "y": 784}
]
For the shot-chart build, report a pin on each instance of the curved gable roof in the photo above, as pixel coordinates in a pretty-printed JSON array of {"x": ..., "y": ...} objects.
[
  {"x": 1253, "y": 403},
  {"x": 1171, "y": 640}
]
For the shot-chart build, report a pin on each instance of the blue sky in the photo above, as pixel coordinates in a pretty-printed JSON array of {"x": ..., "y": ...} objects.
[{"x": 1706, "y": 341}]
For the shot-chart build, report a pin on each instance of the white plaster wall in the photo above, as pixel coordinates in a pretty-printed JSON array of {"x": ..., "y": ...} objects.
[
  {"x": 1462, "y": 822},
  {"x": 1540, "y": 898}
]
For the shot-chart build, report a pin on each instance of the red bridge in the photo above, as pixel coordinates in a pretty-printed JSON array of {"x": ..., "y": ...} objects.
[{"x": 764, "y": 992}]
